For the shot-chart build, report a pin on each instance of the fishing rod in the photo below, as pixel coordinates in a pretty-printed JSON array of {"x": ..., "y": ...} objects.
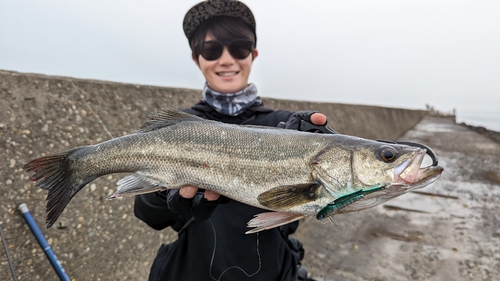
[
  {"x": 43, "y": 243},
  {"x": 8, "y": 255}
]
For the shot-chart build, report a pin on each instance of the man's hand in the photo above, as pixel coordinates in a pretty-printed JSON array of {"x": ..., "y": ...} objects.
[
  {"x": 190, "y": 192},
  {"x": 318, "y": 119},
  {"x": 294, "y": 121},
  {"x": 188, "y": 200}
]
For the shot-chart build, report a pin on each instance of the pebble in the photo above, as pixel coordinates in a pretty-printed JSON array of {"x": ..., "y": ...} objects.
[
  {"x": 8, "y": 182},
  {"x": 12, "y": 163}
]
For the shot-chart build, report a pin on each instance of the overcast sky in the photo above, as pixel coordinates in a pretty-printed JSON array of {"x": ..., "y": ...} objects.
[{"x": 392, "y": 53}]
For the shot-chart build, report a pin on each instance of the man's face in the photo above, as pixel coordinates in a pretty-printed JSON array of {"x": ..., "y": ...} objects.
[{"x": 226, "y": 75}]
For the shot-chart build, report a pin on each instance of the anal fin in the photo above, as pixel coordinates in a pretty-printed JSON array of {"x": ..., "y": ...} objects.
[
  {"x": 264, "y": 221},
  {"x": 134, "y": 185}
]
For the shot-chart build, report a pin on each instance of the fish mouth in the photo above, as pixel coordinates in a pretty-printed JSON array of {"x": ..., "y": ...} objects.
[{"x": 411, "y": 173}]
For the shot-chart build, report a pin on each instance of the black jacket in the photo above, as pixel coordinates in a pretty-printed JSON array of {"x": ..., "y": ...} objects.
[{"x": 218, "y": 248}]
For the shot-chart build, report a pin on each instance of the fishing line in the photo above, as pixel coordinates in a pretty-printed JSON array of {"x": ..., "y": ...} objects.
[
  {"x": 88, "y": 105},
  {"x": 234, "y": 266}
]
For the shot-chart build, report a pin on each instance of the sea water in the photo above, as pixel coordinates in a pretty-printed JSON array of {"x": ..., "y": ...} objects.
[{"x": 488, "y": 119}]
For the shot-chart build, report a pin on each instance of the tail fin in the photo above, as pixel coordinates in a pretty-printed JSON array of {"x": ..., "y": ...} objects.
[{"x": 54, "y": 174}]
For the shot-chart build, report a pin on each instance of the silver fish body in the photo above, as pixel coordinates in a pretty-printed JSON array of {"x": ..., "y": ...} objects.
[{"x": 293, "y": 173}]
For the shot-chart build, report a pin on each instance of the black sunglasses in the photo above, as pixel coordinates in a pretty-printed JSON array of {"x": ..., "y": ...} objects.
[{"x": 239, "y": 49}]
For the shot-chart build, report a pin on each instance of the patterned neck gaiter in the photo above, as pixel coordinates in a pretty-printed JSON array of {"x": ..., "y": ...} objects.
[{"x": 231, "y": 104}]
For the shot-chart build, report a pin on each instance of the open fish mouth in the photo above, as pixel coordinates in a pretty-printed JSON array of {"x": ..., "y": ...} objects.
[{"x": 411, "y": 173}]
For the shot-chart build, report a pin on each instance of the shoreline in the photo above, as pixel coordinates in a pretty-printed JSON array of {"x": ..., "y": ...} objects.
[{"x": 491, "y": 134}]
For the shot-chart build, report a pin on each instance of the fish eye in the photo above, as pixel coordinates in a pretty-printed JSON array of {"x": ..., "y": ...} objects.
[{"x": 388, "y": 154}]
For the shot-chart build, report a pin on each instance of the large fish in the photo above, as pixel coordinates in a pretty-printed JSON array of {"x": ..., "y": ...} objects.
[{"x": 295, "y": 174}]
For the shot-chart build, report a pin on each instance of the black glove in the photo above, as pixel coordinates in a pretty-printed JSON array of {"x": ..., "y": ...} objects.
[
  {"x": 198, "y": 206},
  {"x": 295, "y": 120},
  {"x": 301, "y": 121}
]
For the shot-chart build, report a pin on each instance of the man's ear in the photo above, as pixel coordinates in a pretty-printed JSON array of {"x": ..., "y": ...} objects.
[
  {"x": 255, "y": 53},
  {"x": 195, "y": 60}
]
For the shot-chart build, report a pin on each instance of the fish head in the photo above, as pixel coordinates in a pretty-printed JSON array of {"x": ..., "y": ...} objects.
[
  {"x": 376, "y": 172},
  {"x": 385, "y": 164}
]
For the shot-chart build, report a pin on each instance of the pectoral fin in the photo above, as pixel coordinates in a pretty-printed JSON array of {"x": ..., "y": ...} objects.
[
  {"x": 270, "y": 220},
  {"x": 284, "y": 197}
]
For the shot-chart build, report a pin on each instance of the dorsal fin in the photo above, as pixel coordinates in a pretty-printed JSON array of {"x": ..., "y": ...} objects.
[{"x": 163, "y": 118}]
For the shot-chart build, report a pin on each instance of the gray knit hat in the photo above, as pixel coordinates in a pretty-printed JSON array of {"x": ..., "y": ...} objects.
[{"x": 211, "y": 8}]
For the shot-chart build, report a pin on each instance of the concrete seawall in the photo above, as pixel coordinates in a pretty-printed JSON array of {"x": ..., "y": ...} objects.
[
  {"x": 115, "y": 101},
  {"x": 97, "y": 239}
]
